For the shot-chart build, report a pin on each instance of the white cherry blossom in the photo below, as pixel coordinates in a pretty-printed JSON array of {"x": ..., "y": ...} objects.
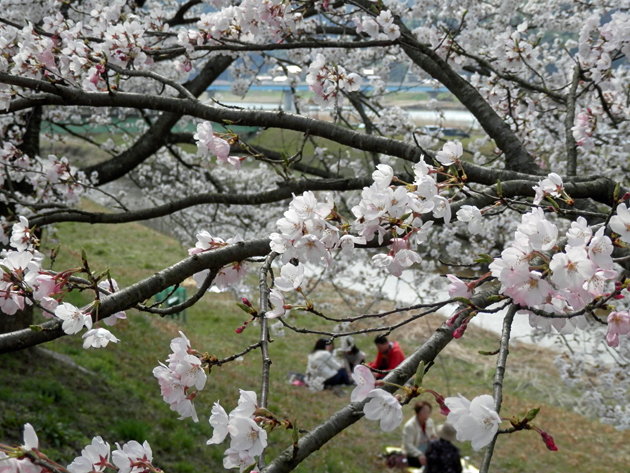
[{"x": 385, "y": 408}]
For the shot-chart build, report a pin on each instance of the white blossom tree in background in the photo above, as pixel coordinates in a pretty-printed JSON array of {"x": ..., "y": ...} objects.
[{"x": 534, "y": 205}]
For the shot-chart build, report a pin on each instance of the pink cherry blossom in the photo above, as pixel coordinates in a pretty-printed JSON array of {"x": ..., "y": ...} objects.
[
  {"x": 618, "y": 324},
  {"x": 364, "y": 379},
  {"x": 458, "y": 288}
]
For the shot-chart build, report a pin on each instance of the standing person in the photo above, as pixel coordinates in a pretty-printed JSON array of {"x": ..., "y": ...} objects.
[
  {"x": 417, "y": 433},
  {"x": 442, "y": 456},
  {"x": 389, "y": 355},
  {"x": 322, "y": 364}
]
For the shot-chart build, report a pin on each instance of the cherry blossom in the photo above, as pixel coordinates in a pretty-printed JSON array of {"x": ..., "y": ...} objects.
[
  {"x": 385, "y": 408},
  {"x": 73, "y": 319},
  {"x": 31, "y": 442},
  {"x": 133, "y": 457},
  {"x": 620, "y": 223},
  {"x": 471, "y": 215},
  {"x": 219, "y": 421},
  {"x": 291, "y": 277},
  {"x": 98, "y": 338},
  {"x": 94, "y": 457},
  {"x": 364, "y": 379},
  {"x": 618, "y": 324},
  {"x": 458, "y": 288},
  {"x": 551, "y": 186},
  {"x": 475, "y": 421},
  {"x": 277, "y": 301},
  {"x": 450, "y": 153}
]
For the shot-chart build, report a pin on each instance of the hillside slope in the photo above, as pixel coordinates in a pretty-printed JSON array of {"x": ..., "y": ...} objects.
[{"x": 111, "y": 392}]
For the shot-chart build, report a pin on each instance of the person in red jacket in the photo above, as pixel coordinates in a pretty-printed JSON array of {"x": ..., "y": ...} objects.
[{"x": 389, "y": 355}]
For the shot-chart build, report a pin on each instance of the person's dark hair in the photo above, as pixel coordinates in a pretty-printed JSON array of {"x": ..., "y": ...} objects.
[
  {"x": 354, "y": 350},
  {"x": 417, "y": 407},
  {"x": 321, "y": 344},
  {"x": 381, "y": 339}
]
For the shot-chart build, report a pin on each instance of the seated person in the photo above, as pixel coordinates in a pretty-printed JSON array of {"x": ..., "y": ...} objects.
[
  {"x": 350, "y": 353},
  {"x": 322, "y": 364},
  {"x": 389, "y": 355},
  {"x": 441, "y": 455},
  {"x": 417, "y": 433}
]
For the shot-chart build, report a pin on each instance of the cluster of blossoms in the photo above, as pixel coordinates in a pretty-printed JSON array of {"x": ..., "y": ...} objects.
[
  {"x": 515, "y": 51},
  {"x": 95, "y": 457},
  {"x": 475, "y": 421},
  {"x": 208, "y": 143},
  {"x": 568, "y": 280},
  {"x": 51, "y": 179},
  {"x": 326, "y": 81},
  {"x": 23, "y": 281},
  {"x": 252, "y": 21},
  {"x": 182, "y": 379},
  {"x": 226, "y": 276},
  {"x": 310, "y": 229},
  {"x": 599, "y": 43},
  {"x": 381, "y": 28},
  {"x": 247, "y": 438},
  {"x": 585, "y": 124},
  {"x": 63, "y": 54}
]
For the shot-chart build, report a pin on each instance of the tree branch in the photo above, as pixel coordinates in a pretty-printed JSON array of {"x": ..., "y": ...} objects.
[
  {"x": 504, "y": 350},
  {"x": 128, "y": 297}
]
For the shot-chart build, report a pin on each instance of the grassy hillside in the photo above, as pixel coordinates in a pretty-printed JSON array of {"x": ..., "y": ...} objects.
[{"x": 111, "y": 392}]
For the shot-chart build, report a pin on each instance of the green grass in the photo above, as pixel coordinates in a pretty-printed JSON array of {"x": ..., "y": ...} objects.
[{"x": 118, "y": 397}]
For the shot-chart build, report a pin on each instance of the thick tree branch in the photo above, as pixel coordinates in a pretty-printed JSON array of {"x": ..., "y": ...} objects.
[
  {"x": 516, "y": 156},
  {"x": 64, "y": 96},
  {"x": 141, "y": 291},
  {"x": 571, "y": 145},
  {"x": 250, "y": 47}
]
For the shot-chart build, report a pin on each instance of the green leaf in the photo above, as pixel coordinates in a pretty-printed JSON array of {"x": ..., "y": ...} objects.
[
  {"x": 488, "y": 353},
  {"x": 244, "y": 308},
  {"x": 531, "y": 415},
  {"x": 420, "y": 373},
  {"x": 463, "y": 300},
  {"x": 484, "y": 258}
]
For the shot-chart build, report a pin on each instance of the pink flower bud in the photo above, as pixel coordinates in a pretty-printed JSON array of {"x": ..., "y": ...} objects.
[
  {"x": 246, "y": 302},
  {"x": 459, "y": 331},
  {"x": 240, "y": 329},
  {"x": 548, "y": 439}
]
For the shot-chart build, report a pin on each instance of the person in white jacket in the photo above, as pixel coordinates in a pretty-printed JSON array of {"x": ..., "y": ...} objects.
[
  {"x": 323, "y": 365},
  {"x": 417, "y": 433}
]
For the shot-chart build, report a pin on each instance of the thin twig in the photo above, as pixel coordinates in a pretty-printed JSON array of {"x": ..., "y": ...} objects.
[
  {"x": 264, "y": 337},
  {"x": 264, "y": 328},
  {"x": 498, "y": 379},
  {"x": 187, "y": 303}
]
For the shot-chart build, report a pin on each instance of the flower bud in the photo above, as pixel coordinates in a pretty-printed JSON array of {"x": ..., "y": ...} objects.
[{"x": 548, "y": 439}]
